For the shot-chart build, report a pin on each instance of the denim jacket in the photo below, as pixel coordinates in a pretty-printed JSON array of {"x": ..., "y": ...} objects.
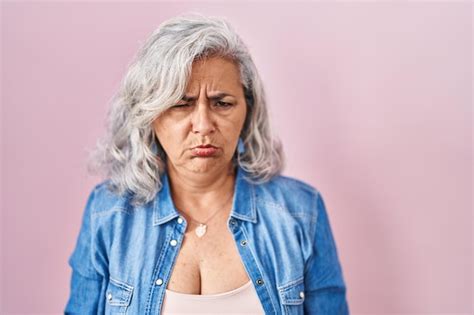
[{"x": 124, "y": 255}]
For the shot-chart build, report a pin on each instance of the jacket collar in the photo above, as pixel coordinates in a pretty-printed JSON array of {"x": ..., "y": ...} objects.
[{"x": 243, "y": 204}]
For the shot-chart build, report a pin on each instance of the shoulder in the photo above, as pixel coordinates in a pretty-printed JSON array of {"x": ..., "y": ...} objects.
[
  {"x": 296, "y": 196},
  {"x": 104, "y": 199},
  {"x": 293, "y": 184}
]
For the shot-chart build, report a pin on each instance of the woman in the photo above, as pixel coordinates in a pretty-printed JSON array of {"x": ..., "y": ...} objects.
[{"x": 194, "y": 216}]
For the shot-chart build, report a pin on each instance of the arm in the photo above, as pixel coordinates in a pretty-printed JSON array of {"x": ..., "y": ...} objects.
[
  {"x": 325, "y": 290},
  {"x": 86, "y": 286}
]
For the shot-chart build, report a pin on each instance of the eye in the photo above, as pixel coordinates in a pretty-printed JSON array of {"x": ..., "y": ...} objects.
[
  {"x": 223, "y": 104},
  {"x": 178, "y": 106}
]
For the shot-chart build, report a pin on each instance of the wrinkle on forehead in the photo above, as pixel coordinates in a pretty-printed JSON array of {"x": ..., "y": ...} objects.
[{"x": 214, "y": 74}]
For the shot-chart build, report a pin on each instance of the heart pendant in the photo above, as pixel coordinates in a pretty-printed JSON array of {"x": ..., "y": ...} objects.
[{"x": 200, "y": 230}]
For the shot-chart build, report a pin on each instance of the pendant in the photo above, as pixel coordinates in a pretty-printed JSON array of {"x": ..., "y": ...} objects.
[{"x": 200, "y": 230}]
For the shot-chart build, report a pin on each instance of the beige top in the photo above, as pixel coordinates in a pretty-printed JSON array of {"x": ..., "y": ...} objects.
[{"x": 243, "y": 300}]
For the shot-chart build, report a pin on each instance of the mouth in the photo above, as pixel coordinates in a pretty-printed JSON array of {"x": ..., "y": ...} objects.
[
  {"x": 205, "y": 146},
  {"x": 204, "y": 150}
]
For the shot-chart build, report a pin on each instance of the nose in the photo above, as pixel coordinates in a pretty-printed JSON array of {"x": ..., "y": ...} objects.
[{"x": 202, "y": 122}]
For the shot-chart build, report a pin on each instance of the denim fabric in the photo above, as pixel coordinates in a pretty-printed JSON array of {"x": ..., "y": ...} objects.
[{"x": 124, "y": 255}]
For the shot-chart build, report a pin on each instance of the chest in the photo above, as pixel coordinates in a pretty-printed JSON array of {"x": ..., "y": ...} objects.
[
  {"x": 209, "y": 264},
  {"x": 144, "y": 260}
]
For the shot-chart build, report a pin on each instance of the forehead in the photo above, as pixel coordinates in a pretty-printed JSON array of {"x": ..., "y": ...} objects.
[{"x": 217, "y": 71}]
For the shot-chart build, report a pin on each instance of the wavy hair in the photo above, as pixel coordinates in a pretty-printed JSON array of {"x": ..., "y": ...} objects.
[{"x": 129, "y": 154}]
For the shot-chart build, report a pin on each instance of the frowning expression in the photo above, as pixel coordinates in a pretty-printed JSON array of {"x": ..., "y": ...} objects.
[{"x": 200, "y": 133}]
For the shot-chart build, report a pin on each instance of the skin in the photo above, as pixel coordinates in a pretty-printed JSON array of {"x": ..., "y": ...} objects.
[{"x": 202, "y": 184}]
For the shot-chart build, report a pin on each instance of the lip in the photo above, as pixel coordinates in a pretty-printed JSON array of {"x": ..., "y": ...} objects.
[{"x": 204, "y": 150}]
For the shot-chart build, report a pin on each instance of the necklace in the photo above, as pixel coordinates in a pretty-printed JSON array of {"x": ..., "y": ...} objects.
[{"x": 202, "y": 227}]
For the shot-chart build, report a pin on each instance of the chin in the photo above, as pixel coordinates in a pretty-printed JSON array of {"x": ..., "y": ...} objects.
[
  {"x": 200, "y": 165},
  {"x": 204, "y": 165}
]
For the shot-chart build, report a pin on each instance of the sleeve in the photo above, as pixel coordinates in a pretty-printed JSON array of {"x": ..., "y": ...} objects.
[
  {"x": 86, "y": 285},
  {"x": 325, "y": 289}
]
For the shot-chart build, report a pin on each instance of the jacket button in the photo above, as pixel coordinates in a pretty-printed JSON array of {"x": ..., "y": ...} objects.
[
  {"x": 173, "y": 242},
  {"x": 109, "y": 296},
  {"x": 243, "y": 243},
  {"x": 232, "y": 222},
  {"x": 302, "y": 294},
  {"x": 159, "y": 282},
  {"x": 259, "y": 281},
  {"x": 180, "y": 220}
]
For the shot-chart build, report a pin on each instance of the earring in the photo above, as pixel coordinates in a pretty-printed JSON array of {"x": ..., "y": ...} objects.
[
  {"x": 154, "y": 148},
  {"x": 240, "y": 146}
]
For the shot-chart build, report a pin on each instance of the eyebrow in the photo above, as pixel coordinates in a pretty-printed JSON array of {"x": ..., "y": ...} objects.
[{"x": 213, "y": 97}]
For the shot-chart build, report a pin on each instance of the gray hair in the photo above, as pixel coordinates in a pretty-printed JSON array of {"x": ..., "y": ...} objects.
[{"x": 130, "y": 155}]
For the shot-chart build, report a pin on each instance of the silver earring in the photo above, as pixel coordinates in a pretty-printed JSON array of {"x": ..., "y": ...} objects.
[
  {"x": 240, "y": 146},
  {"x": 154, "y": 148}
]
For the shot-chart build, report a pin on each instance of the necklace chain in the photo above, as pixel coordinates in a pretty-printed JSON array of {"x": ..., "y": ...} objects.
[{"x": 214, "y": 214}]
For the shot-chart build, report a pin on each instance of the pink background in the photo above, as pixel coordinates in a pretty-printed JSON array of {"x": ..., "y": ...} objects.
[{"x": 373, "y": 102}]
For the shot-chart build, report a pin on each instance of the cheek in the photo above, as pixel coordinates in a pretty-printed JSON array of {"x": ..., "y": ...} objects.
[
  {"x": 234, "y": 130},
  {"x": 162, "y": 134},
  {"x": 241, "y": 121},
  {"x": 171, "y": 136}
]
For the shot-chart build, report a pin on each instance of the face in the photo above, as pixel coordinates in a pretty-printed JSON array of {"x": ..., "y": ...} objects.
[{"x": 200, "y": 133}]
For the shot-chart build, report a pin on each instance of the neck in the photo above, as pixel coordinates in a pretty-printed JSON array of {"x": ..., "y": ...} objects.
[{"x": 199, "y": 195}]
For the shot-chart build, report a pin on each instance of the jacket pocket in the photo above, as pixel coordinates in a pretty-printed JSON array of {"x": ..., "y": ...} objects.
[
  {"x": 118, "y": 296},
  {"x": 292, "y": 296}
]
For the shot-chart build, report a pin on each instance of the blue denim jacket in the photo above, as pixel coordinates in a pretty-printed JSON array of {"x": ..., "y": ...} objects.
[{"x": 124, "y": 255}]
